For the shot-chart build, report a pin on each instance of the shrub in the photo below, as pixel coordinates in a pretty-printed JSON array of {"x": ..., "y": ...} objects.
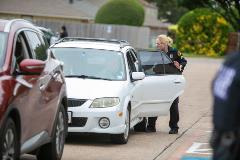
[
  {"x": 204, "y": 32},
  {"x": 127, "y": 12}
]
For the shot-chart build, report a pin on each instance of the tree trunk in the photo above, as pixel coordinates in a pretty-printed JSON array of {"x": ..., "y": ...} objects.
[{"x": 233, "y": 42}]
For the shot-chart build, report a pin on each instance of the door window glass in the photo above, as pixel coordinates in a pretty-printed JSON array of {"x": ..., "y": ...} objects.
[
  {"x": 131, "y": 64},
  {"x": 169, "y": 66},
  {"x": 38, "y": 47},
  {"x": 152, "y": 62},
  {"x": 21, "y": 51},
  {"x": 3, "y": 40},
  {"x": 135, "y": 60}
]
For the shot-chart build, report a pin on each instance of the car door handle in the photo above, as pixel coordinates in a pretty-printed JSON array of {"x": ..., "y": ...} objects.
[
  {"x": 42, "y": 87},
  {"x": 177, "y": 81},
  {"x": 55, "y": 75}
]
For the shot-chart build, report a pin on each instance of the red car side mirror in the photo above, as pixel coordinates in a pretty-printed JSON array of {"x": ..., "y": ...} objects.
[{"x": 32, "y": 66}]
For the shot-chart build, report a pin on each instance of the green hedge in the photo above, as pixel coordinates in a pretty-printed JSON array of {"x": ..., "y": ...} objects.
[
  {"x": 126, "y": 12},
  {"x": 204, "y": 32}
]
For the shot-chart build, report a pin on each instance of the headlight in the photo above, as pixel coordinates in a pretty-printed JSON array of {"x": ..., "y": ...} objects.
[{"x": 105, "y": 102}]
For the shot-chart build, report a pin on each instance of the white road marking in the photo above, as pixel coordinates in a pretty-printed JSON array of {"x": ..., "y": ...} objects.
[{"x": 197, "y": 148}]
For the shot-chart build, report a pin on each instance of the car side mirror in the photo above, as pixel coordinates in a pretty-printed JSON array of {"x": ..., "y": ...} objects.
[
  {"x": 32, "y": 66},
  {"x": 138, "y": 76}
]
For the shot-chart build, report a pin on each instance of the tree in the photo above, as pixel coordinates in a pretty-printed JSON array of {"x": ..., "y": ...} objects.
[
  {"x": 170, "y": 10},
  {"x": 229, "y": 9},
  {"x": 192, "y": 4}
]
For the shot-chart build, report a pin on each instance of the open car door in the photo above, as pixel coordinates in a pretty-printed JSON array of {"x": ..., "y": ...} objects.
[{"x": 161, "y": 86}]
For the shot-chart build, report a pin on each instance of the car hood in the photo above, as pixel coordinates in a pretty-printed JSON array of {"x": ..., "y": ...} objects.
[{"x": 90, "y": 88}]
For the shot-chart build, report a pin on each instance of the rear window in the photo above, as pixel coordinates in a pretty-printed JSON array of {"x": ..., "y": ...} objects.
[{"x": 3, "y": 41}]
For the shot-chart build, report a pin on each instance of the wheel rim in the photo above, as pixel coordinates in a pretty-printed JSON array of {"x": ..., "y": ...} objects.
[
  {"x": 60, "y": 134},
  {"x": 126, "y": 132},
  {"x": 8, "y": 145}
]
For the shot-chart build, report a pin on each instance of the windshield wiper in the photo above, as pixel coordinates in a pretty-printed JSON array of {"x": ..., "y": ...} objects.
[{"x": 85, "y": 76}]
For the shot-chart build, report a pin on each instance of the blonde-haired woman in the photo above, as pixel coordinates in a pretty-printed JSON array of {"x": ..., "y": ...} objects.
[{"x": 164, "y": 44}]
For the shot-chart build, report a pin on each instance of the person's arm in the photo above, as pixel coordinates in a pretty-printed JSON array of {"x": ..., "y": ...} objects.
[{"x": 181, "y": 60}]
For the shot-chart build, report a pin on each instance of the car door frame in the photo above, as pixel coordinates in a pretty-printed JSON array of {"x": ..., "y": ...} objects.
[{"x": 132, "y": 85}]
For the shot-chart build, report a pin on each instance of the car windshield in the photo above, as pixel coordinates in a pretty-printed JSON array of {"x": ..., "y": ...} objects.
[
  {"x": 91, "y": 63},
  {"x": 3, "y": 41}
]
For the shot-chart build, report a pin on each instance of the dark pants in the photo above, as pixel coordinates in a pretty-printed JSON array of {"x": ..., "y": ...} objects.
[{"x": 174, "y": 116}]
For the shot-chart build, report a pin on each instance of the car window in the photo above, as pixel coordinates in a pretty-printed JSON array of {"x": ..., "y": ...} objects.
[
  {"x": 3, "y": 40},
  {"x": 38, "y": 47},
  {"x": 21, "y": 51},
  {"x": 96, "y": 63},
  {"x": 169, "y": 66},
  {"x": 135, "y": 60},
  {"x": 152, "y": 62},
  {"x": 48, "y": 34},
  {"x": 131, "y": 60}
]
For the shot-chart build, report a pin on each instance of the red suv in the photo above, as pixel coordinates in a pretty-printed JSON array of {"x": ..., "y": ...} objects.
[{"x": 33, "y": 103}]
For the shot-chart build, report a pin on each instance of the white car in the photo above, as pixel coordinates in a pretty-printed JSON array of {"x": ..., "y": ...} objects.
[{"x": 108, "y": 92}]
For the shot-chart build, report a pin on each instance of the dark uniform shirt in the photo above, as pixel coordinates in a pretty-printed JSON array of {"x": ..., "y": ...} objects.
[
  {"x": 63, "y": 34},
  {"x": 176, "y": 55},
  {"x": 226, "y": 92}
]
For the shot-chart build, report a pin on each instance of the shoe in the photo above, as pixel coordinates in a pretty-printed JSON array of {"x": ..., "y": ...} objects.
[
  {"x": 173, "y": 131},
  {"x": 151, "y": 129}
]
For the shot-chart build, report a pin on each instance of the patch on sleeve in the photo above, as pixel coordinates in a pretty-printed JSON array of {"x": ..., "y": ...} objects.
[
  {"x": 179, "y": 54},
  {"x": 223, "y": 82}
]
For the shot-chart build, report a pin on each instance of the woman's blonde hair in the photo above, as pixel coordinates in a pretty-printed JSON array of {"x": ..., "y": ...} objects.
[{"x": 165, "y": 39}]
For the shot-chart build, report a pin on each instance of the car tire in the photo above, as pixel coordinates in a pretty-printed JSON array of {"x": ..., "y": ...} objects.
[
  {"x": 123, "y": 137},
  {"x": 9, "y": 143},
  {"x": 54, "y": 149}
]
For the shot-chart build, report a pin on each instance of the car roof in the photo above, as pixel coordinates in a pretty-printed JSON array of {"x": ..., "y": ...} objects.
[
  {"x": 93, "y": 43},
  {"x": 6, "y": 25}
]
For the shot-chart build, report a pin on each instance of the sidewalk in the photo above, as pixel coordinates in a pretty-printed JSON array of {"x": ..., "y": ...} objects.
[{"x": 193, "y": 143}]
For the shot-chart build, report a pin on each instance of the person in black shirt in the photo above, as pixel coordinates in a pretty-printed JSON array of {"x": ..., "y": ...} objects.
[
  {"x": 163, "y": 43},
  {"x": 63, "y": 32},
  {"x": 225, "y": 139}
]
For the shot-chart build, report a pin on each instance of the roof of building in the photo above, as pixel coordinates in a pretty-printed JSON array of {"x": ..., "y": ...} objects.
[{"x": 80, "y": 9}]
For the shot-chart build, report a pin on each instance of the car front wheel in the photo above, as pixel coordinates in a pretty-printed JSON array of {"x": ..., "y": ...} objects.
[
  {"x": 9, "y": 144},
  {"x": 123, "y": 138},
  {"x": 54, "y": 149}
]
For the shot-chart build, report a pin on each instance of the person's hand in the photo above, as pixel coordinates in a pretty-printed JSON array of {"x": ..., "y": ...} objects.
[{"x": 177, "y": 65}]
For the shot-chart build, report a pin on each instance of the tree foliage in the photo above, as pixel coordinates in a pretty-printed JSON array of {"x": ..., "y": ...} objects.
[
  {"x": 192, "y": 4},
  {"x": 170, "y": 10},
  {"x": 229, "y": 9},
  {"x": 204, "y": 32},
  {"x": 128, "y": 12}
]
